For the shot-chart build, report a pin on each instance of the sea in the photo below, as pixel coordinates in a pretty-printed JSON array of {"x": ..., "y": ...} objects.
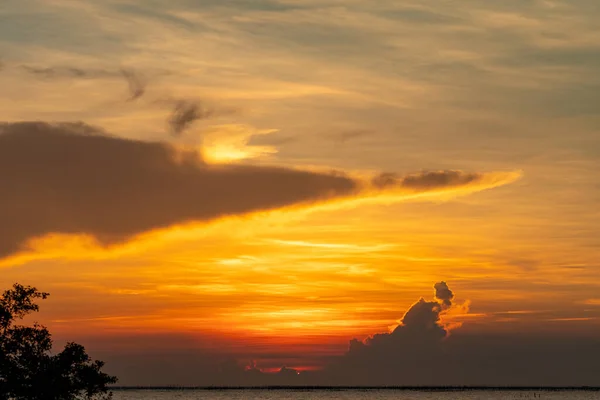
[{"x": 351, "y": 394}]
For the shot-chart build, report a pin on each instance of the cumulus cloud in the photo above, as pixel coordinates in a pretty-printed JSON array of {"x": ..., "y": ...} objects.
[
  {"x": 443, "y": 293},
  {"x": 419, "y": 351},
  {"x": 422, "y": 320},
  {"x": 413, "y": 345}
]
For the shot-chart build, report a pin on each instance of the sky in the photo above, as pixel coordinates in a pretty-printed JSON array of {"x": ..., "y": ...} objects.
[{"x": 302, "y": 191}]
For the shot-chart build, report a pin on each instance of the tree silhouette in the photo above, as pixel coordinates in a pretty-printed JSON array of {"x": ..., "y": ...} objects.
[{"x": 28, "y": 369}]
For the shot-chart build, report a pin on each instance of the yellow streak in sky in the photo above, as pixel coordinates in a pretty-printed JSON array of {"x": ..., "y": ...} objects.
[
  {"x": 72, "y": 247},
  {"x": 336, "y": 246}
]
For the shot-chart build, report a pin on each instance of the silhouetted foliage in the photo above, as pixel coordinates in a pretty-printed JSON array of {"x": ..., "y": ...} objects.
[{"x": 28, "y": 369}]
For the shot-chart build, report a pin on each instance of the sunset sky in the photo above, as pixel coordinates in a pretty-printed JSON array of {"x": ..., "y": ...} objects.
[{"x": 200, "y": 181}]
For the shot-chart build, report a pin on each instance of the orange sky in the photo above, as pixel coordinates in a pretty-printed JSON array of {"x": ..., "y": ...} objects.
[
  {"x": 317, "y": 275},
  {"x": 507, "y": 92}
]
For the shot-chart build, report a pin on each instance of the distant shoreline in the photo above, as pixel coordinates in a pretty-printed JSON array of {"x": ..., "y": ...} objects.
[{"x": 367, "y": 388}]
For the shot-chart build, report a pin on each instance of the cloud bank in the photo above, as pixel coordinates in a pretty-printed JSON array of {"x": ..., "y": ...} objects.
[
  {"x": 70, "y": 178},
  {"x": 75, "y": 179},
  {"x": 418, "y": 352}
]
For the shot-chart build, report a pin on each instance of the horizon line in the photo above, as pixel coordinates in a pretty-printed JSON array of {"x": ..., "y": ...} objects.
[{"x": 388, "y": 387}]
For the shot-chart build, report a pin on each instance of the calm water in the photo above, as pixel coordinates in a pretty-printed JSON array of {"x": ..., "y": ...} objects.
[{"x": 349, "y": 395}]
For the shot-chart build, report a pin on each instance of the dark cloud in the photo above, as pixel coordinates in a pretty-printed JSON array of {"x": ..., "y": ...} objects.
[
  {"x": 197, "y": 368},
  {"x": 420, "y": 351},
  {"x": 426, "y": 180},
  {"x": 385, "y": 179},
  {"x": 137, "y": 83},
  {"x": 72, "y": 178},
  {"x": 68, "y": 72},
  {"x": 186, "y": 112},
  {"x": 420, "y": 324},
  {"x": 462, "y": 359},
  {"x": 443, "y": 293},
  {"x": 412, "y": 347}
]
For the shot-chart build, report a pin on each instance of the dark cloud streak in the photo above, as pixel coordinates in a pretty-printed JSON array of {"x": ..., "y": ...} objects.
[
  {"x": 137, "y": 83},
  {"x": 68, "y": 72},
  {"x": 426, "y": 180},
  {"x": 186, "y": 112}
]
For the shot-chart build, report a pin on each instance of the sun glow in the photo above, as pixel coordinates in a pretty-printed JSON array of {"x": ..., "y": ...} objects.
[{"x": 224, "y": 144}]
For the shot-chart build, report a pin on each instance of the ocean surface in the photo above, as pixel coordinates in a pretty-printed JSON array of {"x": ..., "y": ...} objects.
[{"x": 351, "y": 394}]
